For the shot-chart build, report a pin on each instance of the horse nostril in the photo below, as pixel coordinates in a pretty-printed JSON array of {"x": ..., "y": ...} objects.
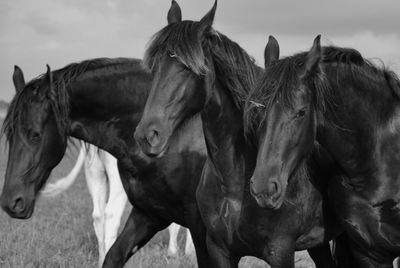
[
  {"x": 153, "y": 138},
  {"x": 272, "y": 188},
  {"x": 19, "y": 205},
  {"x": 252, "y": 188}
]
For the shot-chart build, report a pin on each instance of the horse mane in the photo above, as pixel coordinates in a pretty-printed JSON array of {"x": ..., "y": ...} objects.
[
  {"x": 72, "y": 71},
  {"x": 57, "y": 96},
  {"x": 235, "y": 69},
  {"x": 282, "y": 75}
]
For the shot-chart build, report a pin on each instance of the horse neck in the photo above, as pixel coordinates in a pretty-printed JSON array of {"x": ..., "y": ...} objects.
[
  {"x": 105, "y": 110},
  {"x": 362, "y": 116},
  {"x": 226, "y": 145}
]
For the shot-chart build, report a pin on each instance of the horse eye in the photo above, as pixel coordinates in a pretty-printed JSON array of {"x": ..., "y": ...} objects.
[
  {"x": 301, "y": 113},
  {"x": 35, "y": 136},
  {"x": 35, "y": 90}
]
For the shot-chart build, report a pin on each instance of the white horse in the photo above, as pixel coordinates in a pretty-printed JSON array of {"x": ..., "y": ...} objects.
[{"x": 101, "y": 170}]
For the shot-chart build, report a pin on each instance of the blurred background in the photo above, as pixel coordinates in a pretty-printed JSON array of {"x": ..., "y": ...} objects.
[{"x": 58, "y": 32}]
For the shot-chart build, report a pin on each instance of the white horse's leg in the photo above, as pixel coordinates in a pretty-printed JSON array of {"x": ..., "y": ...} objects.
[
  {"x": 116, "y": 201},
  {"x": 189, "y": 247},
  {"x": 97, "y": 184},
  {"x": 173, "y": 229},
  {"x": 55, "y": 188},
  {"x": 396, "y": 262}
]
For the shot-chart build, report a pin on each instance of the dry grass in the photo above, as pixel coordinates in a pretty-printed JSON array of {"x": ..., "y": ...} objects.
[{"x": 60, "y": 234}]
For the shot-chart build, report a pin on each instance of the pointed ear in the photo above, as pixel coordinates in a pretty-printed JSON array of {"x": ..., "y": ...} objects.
[
  {"x": 174, "y": 13},
  {"x": 18, "y": 79},
  {"x": 271, "y": 52},
  {"x": 313, "y": 57},
  {"x": 207, "y": 21},
  {"x": 49, "y": 77}
]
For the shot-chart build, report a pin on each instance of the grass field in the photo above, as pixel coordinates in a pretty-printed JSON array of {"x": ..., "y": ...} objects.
[{"x": 60, "y": 234}]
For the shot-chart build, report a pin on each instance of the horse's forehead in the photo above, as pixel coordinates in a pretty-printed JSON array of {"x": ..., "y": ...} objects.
[
  {"x": 36, "y": 110},
  {"x": 34, "y": 84},
  {"x": 300, "y": 91},
  {"x": 34, "y": 93},
  {"x": 40, "y": 104}
]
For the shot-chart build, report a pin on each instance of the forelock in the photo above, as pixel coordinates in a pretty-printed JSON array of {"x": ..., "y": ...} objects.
[{"x": 182, "y": 40}]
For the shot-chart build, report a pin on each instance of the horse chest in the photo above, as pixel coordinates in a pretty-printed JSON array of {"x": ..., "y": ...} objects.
[
  {"x": 150, "y": 192},
  {"x": 220, "y": 213}
]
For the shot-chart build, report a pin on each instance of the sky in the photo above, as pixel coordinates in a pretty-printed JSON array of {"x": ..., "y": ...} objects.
[{"x": 58, "y": 32}]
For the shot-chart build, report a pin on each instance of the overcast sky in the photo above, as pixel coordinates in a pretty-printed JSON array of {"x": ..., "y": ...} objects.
[{"x": 58, "y": 32}]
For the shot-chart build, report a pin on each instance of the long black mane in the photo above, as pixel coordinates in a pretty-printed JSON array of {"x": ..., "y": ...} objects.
[
  {"x": 185, "y": 41},
  {"x": 56, "y": 95},
  {"x": 283, "y": 75}
]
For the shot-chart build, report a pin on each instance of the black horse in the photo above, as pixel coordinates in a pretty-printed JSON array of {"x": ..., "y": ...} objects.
[
  {"x": 351, "y": 108},
  {"x": 198, "y": 70},
  {"x": 101, "y": 101}
]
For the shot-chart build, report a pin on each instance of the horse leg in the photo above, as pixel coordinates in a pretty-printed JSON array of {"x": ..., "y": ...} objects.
[
  {"x": 198, "y": 233},
  {"x": 138, "y": 230},
  {"x": 361, "y": 224},
  {"x": 173, "y": 239},
  {"x": 342, "y": 252},
  {"x": 363, "y": 260},
  {"x": 396, "y": 263},
  {"x": 220, "y": 257},
  {"x": 189, "y": 247},
  {"x": 97, "y": 184},
  {"x": 322, "y": 256},
  {"x": 117, "y": 200}
]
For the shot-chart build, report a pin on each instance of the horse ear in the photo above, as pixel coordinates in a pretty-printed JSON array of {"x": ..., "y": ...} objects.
[
  {"x": 313, "y": 57},
  {"x": 207, "y": 21},
  {"x": 174, "y": 13},
  {"x": 18, "y": 79},
  {"x": 271, "y": 52},
  {"x": 49, "y": 77}
]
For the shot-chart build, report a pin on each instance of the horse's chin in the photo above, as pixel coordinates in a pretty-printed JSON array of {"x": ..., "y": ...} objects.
[
  {"x": 162, "y": 153},
  {"x": 23, "y": 215},
  {"x": 158, "y": 152},
  {"x": 269, "y": 203}
]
